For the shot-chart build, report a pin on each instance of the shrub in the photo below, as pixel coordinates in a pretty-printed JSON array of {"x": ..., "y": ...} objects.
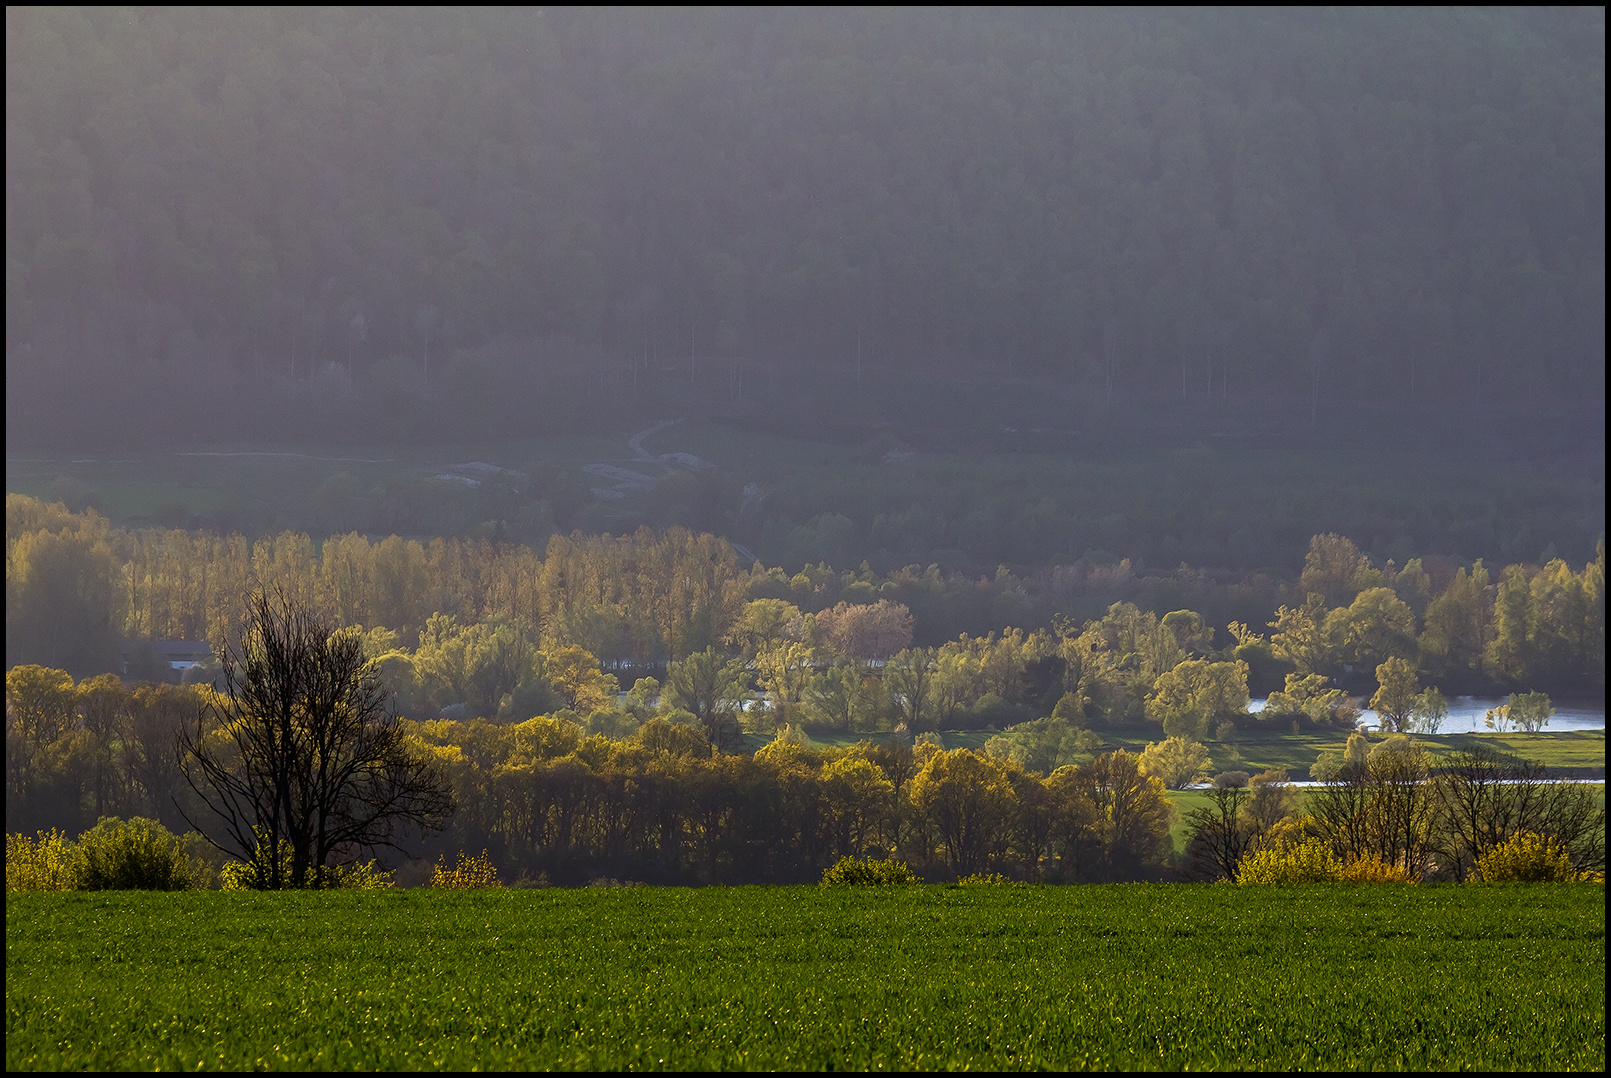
[
  {"x": 114, "y": 855},
  {"x": 1372, "y": 870},
  {"x": 1307, "y": 862},
  {"x": 1526, "y": 858},
  {"x": 1312, "y": 861},
  {"x": 850, "y": 872},
  {"x": 988, "y": 879},
  {"x": 468, "y": 873},
  {"x": 256, "y": 874},
  {"x": 43, "y": 863},
  {"x": 132, "y": 855},
  {"x": 369, "y": 877}
]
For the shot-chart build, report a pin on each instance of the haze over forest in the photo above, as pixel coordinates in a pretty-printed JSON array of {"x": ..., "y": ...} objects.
[
  {"x": 1185, "y": 285},
  {"x": 461, "y": 222}
]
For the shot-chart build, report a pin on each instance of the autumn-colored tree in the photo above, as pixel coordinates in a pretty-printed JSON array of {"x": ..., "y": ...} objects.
[
  {"x": 968, "y": 799},
  {"x": 864, "y": 631},
  {"x": 576, "y": 677}
]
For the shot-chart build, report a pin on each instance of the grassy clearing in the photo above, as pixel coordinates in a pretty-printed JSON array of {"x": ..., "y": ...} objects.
[
  {"x": 1575, "y": 753},
  {"x": 1165, "y": 977},
  {"x": 1572, "y": 753}
]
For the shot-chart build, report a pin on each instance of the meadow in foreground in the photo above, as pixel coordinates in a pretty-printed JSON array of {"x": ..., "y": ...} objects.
[{"x": 1127, "y": 976}]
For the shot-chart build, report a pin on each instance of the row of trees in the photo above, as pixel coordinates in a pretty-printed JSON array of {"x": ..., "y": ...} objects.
[
  {"x": 299, "y": 762},
  {"x": 662, "y": 803},
  {"x": 300, "y": 757},
  {"x": 1387, "y": 804},
  {"x": 1544, "y": 626},
  {"x": 1197, "y": 201},
  {"x": 78, "y": 589},
  {"x": 660, "y": 806}
]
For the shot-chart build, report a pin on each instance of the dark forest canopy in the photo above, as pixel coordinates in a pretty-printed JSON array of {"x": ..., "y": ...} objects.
[{"x": 298, "y": 221}]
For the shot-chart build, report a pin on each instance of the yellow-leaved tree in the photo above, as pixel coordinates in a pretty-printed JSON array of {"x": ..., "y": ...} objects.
[{"x": 968, "y": 800}]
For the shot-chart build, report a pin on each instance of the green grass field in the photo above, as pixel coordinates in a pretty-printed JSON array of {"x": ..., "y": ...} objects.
[
  {"x": 1575, "y": 753},
  {"x": 1579, "y": 753},
  {"x": 1130, "y": 976}
]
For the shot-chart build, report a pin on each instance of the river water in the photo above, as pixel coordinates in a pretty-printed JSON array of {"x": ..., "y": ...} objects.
[{"x": 1467, "y": 712}]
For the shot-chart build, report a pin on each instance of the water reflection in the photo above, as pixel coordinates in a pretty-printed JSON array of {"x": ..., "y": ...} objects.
[{"x": 1467, "y": 712}]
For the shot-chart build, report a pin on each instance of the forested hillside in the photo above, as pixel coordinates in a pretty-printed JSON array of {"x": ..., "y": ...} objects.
[{"x": 446, "y": 223}]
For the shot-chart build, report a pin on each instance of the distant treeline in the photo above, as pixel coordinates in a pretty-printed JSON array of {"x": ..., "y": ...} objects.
[
  {"x": 444, "y": 222},
  {"x": 79, "y": 592}
]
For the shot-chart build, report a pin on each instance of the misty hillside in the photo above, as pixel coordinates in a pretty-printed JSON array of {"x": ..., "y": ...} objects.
[
  {"x": 493, "y": 219},
  {"x": 293, "y": 223}
]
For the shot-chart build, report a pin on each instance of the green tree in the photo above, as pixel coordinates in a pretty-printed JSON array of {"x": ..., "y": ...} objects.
[
  {"x": 1190, "y": 698},
  {"x": 1300, "y": 636},
  {"x": 909, "y": 681},
  {"x": 1506, "y": 657},
  {"x": 713, "y": 689},
  {"x": 477, "y": 665},
  {"x": 1334, "y": 568},
  {"x": 1429, "y": 711},
  {"x": 1396, "y": 695},
  {"x": 1530, "y": 711},
  {"x": 838, "y": 698},
  {"x": 784, "y": 671},
  {"x": 765, "y": 623},
  {"x": 1175, "y": 761},
  {"x": 1191, "y": 632},
  {"x": 1376, "y": 626},
  {"x": 1456, "y": 633}
]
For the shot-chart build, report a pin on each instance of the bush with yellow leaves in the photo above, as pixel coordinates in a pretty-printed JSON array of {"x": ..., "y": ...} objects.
[
  {"x": 257, "y": 874},
  {"x": 1528, "y": 858},
  {"x": 114, "y": 855},
  {"x": 1372, "y": 870},
  {"x": 988, "y": 879},
  {"x": 850, "y": 872},
  {"x": 40, "y": 863},
  {"x": 1312, "y": 861},
  {"x": 1306, "y": 862},
  {"x": 468, "y": 873}
]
